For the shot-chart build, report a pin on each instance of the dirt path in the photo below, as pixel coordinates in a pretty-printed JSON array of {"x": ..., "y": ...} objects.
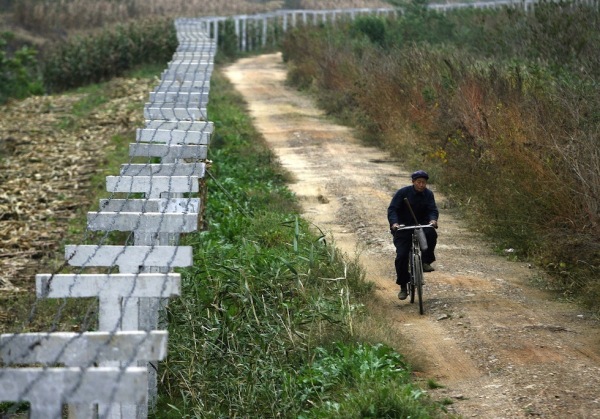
[{"x": 501, "y": 348}]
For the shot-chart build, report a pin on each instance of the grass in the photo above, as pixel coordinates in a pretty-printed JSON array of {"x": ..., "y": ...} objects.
[
  {"x": 432, "y": 384},
  {"x": 91, "y": 97}
]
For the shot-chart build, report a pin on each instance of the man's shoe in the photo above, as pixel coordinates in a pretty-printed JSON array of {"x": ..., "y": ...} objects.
[
  {"x": 403, "y": 294},
  {"x": 427, "y": 268}
]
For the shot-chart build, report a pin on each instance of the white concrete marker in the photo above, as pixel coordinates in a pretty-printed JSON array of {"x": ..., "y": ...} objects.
[
  {"x": 169, "y": 113},
  {"x": 82, "y": 349},
  {"x": 172, "y": 205},
  {"x": 183, "y": 85},
  {"x": 175, "y": 132},
  {"x": 168, "y": 152},
  {"x": 181, "y": 77},
  {"x": 153, "y": 223},
  {"x": 47, "y": 389},
  {"x": 129, "y": 259},
  {"x": 152, "y": 186},
  {"x": 164, "y": 169},
  {"x": 180, "y": 97}
]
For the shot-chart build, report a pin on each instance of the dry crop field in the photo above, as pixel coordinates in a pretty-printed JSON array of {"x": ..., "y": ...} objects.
[
  {"x": 49, "y": 158},
  {"x": 62, "y": 16}
]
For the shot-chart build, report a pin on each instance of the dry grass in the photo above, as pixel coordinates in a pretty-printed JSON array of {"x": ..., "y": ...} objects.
[
  {"x": 66, "y": 15},
  {"x": 42, "y": 196},
  {"x": 62, "y": 16}
]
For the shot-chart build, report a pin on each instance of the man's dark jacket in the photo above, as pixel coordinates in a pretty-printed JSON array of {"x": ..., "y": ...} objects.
[{"x": 422, "y": 203}]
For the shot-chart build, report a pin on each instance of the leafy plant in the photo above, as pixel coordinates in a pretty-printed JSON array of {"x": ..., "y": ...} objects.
[
  {"x": 373, "y": 27},
  {"x": 228, "y": 47},
  {"x": 18, "y": 72},
  {"x": 360, "y": 380},
  {"x": 345, "y": 364}
]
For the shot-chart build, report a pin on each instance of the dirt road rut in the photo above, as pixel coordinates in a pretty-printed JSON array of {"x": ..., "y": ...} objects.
[{"x": 500, "y": 347}]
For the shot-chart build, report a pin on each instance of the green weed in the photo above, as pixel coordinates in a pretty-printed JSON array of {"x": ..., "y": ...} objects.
[
  {"x": 18, "y": 71},
  {"x": 432, "y": 384}
]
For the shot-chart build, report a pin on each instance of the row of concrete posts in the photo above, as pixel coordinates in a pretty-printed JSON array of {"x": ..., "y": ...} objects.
[{"x": 111, "y": 372}]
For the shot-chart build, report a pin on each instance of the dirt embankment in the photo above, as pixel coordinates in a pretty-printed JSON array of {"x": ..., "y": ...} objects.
[{"x": 500, "y": 347}]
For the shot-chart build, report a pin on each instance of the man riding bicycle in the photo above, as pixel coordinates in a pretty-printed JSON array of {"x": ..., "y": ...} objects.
[{"x": 422, "y": 202}]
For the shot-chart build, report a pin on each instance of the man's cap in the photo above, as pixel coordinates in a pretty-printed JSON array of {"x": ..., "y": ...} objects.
[{"x": 418, "y": 174}]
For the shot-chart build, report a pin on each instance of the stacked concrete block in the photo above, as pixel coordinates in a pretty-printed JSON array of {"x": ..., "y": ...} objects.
[{"x": 81, "y": 385}]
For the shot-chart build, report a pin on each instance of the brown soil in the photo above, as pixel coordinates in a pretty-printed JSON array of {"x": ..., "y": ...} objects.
[{"x": 501, "y": 347}]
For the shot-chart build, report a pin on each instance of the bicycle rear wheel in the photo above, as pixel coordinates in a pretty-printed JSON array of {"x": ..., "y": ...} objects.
[{"x": 418, "y": 279}]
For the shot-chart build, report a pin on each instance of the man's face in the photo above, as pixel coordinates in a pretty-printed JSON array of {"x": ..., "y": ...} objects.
[{"x": 420, "y": 184}]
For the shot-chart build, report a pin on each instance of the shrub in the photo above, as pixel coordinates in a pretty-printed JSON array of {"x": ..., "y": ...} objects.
[
  {"x": 374, "y": 28},
  {"x": 18, "y": 73},
  {"x": 228, "y": 42},
  {"x": 93, "y": 58}
]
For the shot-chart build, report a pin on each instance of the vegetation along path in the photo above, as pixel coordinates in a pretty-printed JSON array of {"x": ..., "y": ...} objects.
[{"x": 500, "y": 347}]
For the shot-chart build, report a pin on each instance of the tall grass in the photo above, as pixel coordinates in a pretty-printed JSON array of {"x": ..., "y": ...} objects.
[
  {"x": 501, "y": 107},
  {"x": 264, "y": 324},
  {"x": 61, "y": 16}
]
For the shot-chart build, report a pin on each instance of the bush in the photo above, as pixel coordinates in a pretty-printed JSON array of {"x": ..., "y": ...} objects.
[
  {"x": 374, "y": 28},
  {"x": 93, "y": 58},
  {"x": 228, "y": 47},
  {"x": 18, "y": 73}
]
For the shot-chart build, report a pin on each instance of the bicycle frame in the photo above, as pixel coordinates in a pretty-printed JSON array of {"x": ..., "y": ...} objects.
[{"x": 415, "y": 263}]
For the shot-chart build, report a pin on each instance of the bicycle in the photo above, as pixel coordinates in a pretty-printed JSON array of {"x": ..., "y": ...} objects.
[{"x": 415, "y": 263}]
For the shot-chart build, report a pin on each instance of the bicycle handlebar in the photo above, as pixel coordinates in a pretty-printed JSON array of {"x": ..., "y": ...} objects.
[
  {"x": 420, "y": 234},
  {"x": 403, "y": 227}
]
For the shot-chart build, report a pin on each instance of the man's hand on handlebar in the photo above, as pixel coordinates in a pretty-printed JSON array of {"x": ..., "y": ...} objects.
[
  {"x": 433, "y": 223},
  {"x": 396, "y": 226}
]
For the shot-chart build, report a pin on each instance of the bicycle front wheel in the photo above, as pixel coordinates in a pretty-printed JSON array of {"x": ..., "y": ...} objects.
[
  {"x": 418, "y": 278},
  {"x": 411, "y": 283}
]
